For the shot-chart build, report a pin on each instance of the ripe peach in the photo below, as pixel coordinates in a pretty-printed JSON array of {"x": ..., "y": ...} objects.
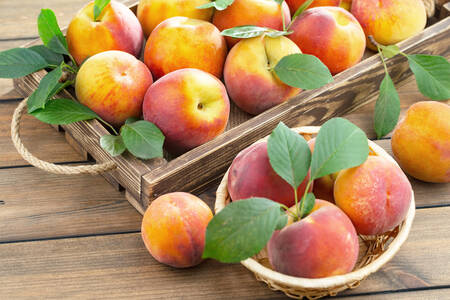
[
  {"x": 295, "y": 4},
  {"x": 180, "y": 42},
  {"x": 323, "y": 186},
  {"x": 375, "y": 195},
  {"x": 117, "y": 29},
  {"x": 265, "y": 13},
  {"x": 320, "y": 245},
  {"x": 332, "y": 34},
  {"x": 421, "y": 141},
  {"x": 251, "y": 175},
  {"x": 190, "y": 106},
  {"x": 173, "y": 229},
  {"x": 152, "y": 12},
  {"x": 388, "y": 21},
  {"x": 113, "y": 84},
  {"x": 250, "y": 83}
]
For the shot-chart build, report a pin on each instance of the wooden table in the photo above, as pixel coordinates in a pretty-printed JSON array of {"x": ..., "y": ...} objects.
[{"x": 76, "y": 237}]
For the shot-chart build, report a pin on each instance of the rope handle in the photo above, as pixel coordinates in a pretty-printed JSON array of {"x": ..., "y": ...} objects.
[{"x": 46, "y": 166}]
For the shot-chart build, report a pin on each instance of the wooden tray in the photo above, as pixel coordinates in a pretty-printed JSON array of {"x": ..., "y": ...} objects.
[{"x": 143, "y": 181}]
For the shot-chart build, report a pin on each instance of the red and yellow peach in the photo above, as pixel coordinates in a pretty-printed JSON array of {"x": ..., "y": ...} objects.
[
  {"x": 190, "y": 106},
  {"x": 251, "y": 175},
  {"x": 116, "y": 29},
  {"x": 173, "y": 229},
  {"x": 375, "y": 195},
  {"x": 322, "y": 244},
  {"x": 295, "y": 4},
  {"x": 181, "y": 42},
  {"x": 251, "y": 83},
  {"x": 421, "y": 141},
  {"x": 152, "y": 12},
  {"x": 113, "y": 84},
  {"x": 332, "y": 34}
]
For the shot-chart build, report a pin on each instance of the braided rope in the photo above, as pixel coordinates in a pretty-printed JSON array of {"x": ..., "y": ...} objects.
[{"x": 46, "y": 166}]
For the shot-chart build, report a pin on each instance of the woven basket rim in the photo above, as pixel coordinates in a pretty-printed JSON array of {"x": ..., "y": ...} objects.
[{"x": 332, "y": 281}]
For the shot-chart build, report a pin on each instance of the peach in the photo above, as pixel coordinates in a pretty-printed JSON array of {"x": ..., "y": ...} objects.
[
  {"x": 251, "y": 175},
  {"x": 190, "y": 106},
  {"x": 389, "y": 21},
  {"x": 332, "y": 34},
  {"x": 323, "y": 186},
  {"x": 113, "y": 84},
  {"x": 421, "y": 141},
  {"x": 263, "y": 13},
  {"x": 248, "y": 78},
  {"x": 180, "y": 42},
  {"x": 322, "y": 244},
  {"x": 173, "y": 229},
  {"x": 117, "y": 29},
  {"x": 152, "y": 12},
  {"x": 295, "y": 4},
  {"x": 375, "y": 195}
]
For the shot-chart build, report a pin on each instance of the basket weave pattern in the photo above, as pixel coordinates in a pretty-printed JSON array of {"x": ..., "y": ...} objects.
[{"x": 375, "y": 251}]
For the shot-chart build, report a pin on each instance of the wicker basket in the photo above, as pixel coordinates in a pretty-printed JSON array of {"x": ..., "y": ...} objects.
[{"x": 375, "y": 251}]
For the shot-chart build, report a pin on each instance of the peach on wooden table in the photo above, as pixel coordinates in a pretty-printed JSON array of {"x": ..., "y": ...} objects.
[
  {"x": 322, "y": 244},
  {"x": 251, "y": 175},
  {"x": 117, "y": 28},
  {"x": 152, "y": 12},
  {"x": 421, "y": 141},
  {"x": 113, "y": 84},
  {"x": 332, "y": 34},
  {"x": 262, "y": 13},
  {"x": 173, "y": 229},
  {"x": 190, "y": 106},
  {"x": 389, "y": 21},
  {"x": 375, "y": 195},
  {"x": 251, "y": 83},
  {"x": 181, "y": 42}
]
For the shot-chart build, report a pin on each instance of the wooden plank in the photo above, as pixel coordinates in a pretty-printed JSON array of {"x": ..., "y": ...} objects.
[
  {"x": 19, "y": 21},
  {"x": 428, "y": 294},
  {"x": 350, "y": 90},
  {"x": 42, "y": 140},
  {"x": 38, "y": 205},
  {"x": 119, "y": 266}
]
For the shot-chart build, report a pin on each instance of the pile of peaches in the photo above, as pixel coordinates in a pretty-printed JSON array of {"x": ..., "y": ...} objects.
[{"x": 178, "y": 85}]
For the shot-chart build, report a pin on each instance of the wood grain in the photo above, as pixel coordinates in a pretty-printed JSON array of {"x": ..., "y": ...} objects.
[
  {"x": 38, "y": 205},
  {"x": 39, "y": 138},
  {"x": 428, "y": 294},
  {"x": 119, "y": 266}
]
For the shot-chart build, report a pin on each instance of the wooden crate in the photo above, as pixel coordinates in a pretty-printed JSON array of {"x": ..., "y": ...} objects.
[{"x": 143, "y": 181}]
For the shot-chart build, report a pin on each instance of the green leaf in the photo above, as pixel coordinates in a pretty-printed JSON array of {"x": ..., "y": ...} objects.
[
  {"x": 250, "y": 31},
  {"x": 303, "y": 71},
  {"x": 99, "y": 5},
  {"x": 387, "y": 108},
  {"x": 131, "y": 120},
  {"x": 432, "y": 75},
  {"x": 289, "y": 155},
  {"x": 301, "y": 9},
  {"x": 20, "y": 62},
  {"x": 218, "y": 4},
  {"x": 113, "y": 144},
  {"x": 242, "y": 229},
  {"x": 339, "y": 145},
  {"x": 143, "y": 139},
  {"x": 64, "y": 111},
  {"x": 279, "y": 1},
  {"x": 390, "y": 51},
  {"x": 50, "y": 32},
  {"x": 43, "y": 93},
  {"x": 282, "y": 221},
  {"x": 307, "y": 204},
  {"x": 50, "y": 57}
]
